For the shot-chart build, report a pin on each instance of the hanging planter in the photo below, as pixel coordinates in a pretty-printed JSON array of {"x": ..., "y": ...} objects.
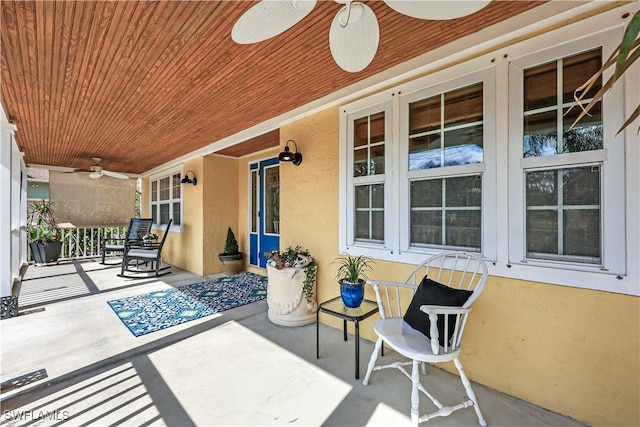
[{"x": 291, "y": 288}]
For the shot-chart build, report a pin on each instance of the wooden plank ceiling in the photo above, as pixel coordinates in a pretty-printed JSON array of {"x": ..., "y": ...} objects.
[{"x": 139, "y": 83}]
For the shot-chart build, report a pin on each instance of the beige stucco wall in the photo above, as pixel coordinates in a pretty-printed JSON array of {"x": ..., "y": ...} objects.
[
  {"x": 220, "y": 208},
  {"x": 570, "y": 350},
  {"x": 209, "y": 208}
]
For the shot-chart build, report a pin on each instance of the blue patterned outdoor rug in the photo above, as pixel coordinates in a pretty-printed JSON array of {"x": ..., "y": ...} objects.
[{"x": 154, "y": 311}]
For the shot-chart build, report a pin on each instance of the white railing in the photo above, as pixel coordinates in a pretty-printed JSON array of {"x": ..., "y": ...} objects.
[{"x": 82, "y": 243}]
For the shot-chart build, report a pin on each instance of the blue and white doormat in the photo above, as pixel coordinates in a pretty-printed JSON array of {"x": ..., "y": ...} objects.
[{"x": 155, "y": 311}]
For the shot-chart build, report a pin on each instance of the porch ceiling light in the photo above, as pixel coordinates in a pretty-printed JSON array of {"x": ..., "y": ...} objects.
[
  {"x": 187, "y": 180},
  {"x": 288, "y": 156}
]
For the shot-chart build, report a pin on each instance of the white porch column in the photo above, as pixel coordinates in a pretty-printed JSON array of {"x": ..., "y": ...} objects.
[{"x": 10, "y": 230}]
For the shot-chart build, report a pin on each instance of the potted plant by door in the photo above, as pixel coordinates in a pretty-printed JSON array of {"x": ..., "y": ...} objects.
[
  {"x": 231, "y": 258},
  {"x": 291, "y": 286},
  {"x": 44, "y": 236},
  {"x": 352, "y": 277}
]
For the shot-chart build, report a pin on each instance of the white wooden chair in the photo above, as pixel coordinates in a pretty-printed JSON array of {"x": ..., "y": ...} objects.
[{"x": 456, "y": 270}]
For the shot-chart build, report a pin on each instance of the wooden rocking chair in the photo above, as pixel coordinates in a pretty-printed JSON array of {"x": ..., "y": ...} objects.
[{"x": 441, "y": 291}]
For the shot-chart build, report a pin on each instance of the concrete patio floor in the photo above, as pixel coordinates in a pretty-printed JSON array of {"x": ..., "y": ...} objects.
[{"x": 68, "y": 360}]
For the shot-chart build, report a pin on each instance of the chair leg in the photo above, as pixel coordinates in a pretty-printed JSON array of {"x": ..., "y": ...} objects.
[
  {"x": 123, "y": 267},
  {"x": 103, "y": 253},
  {"x": 472, "y": 396},
  {"x": 372, "y": 361},
  {"x": 415, "y": 393}
]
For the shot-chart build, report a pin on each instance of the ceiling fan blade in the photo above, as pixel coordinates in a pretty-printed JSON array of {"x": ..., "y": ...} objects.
[
  {"x": 95, "y": 175},
  {"x": 269, "y": 18},
  {"x": 115, "y": 174},
  {"x": 436, "y": 9},
  {"x": 354, "y": 37}
]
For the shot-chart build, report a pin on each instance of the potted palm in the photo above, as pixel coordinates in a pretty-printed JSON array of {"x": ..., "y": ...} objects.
[
  {"x": 231, "y": 258},
  {"x": 44, "y": 236},
  {"x": 352, "y": 276},
  {"x": 291, "y": 286}
]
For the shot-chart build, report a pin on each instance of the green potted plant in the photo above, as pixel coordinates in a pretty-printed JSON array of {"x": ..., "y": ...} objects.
[
  {"x": 149, "y": 238},
  {"x": 352, "y": 276},
  {"x": 291, "y": 289},
  {"x": 44, "y": 236},
  {"x": 231, "y": 258}
]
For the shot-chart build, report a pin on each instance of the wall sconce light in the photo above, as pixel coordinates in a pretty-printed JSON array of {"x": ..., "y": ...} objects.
[
  {"x": 187, "y": 180},
  {"x": 288, "y": 156}
]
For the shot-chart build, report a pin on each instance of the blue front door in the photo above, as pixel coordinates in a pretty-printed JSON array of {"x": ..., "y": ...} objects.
[{"x": 264, "y": 207}]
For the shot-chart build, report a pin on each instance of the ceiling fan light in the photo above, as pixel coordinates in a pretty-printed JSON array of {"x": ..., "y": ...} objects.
[
  {"x": 436, "y": 9},
  {"x": 269, "y": 18},
  {"x": 354, "y": 46}
]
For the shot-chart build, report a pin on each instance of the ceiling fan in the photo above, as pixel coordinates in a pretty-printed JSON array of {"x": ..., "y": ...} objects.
[
  {"x": 354, "y": 31},
  {"x": 96, "y": 171}
]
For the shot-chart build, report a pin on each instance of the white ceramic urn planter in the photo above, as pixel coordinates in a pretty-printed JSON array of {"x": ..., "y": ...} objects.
[{"x": 287, "y": 303}]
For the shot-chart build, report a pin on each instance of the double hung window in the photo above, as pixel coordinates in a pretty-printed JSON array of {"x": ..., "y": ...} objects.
[
  {"x": 445, "y": 157},
  {"x": 368, "y": 163},
  {"x": 166, "y": 199},
  {"x": 416, "y": 170},
  {"x": 566, "y": 175}
]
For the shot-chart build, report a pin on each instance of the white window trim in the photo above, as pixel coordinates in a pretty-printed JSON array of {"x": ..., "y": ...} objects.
[
  {"x": 627, "y": 188},
  {"x": 156, "y": 177}
]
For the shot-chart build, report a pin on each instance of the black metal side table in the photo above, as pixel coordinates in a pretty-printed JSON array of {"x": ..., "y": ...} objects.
[{"x": 335, "y": 307}]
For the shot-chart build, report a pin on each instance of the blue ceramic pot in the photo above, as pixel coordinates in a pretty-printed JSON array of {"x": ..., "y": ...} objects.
[{"x": 352, "y": 293}]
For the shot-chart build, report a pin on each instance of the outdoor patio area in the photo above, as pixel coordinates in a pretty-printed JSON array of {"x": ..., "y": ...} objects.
[{"x": 68, "y": 359}]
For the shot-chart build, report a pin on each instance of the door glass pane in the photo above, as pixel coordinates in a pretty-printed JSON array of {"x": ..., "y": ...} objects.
[
  {"x": 272, "y": 200},
  {"x": 254, "y": 201}
]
